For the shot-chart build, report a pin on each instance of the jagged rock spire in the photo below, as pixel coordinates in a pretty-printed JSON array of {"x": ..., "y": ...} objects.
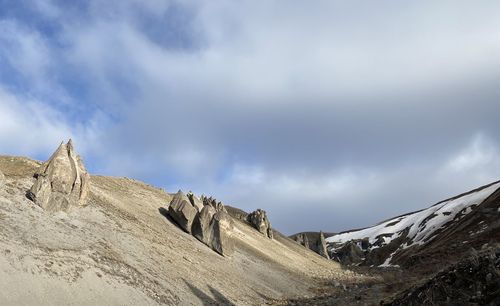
[
  {"x": 322, "y": 250},
  {"x": 259, "y": 220},
  {"x": 62, "y": 181}
]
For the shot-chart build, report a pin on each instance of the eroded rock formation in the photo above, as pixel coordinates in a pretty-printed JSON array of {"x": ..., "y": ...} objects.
[
  {"x": 321, "y": 246},
  {"x": 182, "y": 211},
  {"x": 258, "y": 219},
  {"x": 195, "y": 201},
  {"x": 61, "y": 182},
  {"x": 206, "y": 219},
  {"x": 201, "y": 225},
  {"x": 221, "y": 232},
  {"x": 302, "y": 239},
  {"x": 217, "y": 205}
]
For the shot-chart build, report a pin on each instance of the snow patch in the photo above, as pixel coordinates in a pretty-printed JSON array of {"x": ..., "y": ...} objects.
[{"x": 421, "y": 225}]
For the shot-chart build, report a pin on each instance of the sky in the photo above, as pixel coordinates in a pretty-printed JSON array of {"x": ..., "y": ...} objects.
[{"x": 329, "y": 115}]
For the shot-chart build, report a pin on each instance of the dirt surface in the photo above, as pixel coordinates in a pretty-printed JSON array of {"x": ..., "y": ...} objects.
[
  {"x": 120, "y": 250},
  {"x": 378, "y": 286}
]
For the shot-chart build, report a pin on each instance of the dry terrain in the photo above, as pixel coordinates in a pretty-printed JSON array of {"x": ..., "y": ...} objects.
[{"x": 121, "y": 250}]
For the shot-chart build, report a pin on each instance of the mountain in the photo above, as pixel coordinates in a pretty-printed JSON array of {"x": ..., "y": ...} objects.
[
  {"x": 443, "y": 231},
  {"x": 109, "y": 242}
]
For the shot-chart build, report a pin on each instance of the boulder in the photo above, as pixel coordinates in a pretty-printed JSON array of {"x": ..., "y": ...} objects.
[
  {"x": 321, "y": 246},
  {"x": 201, "y": 225},
  {"x": 258, "y": 219},
  {"x": 212, "y": 225},
  {"x": 195, "y": 201},
  {"x": 182, "y": 211},
  {"x": 221, "y": 228},
  {"x": 61, "y": 182}
]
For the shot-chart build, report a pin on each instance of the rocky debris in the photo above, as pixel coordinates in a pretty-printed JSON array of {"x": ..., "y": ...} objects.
[
  {"x": 182, "y": 211},
  {"x": 2, "y": 179},
  {"x": 302, "y": 240},
  {"x": 321, "y": 246},
  {"x": 195, "y": 201},
  {"x": 473, "y": 281},
  {"x": 61, "y": 182},
  {"x": 258, "y": 219}
]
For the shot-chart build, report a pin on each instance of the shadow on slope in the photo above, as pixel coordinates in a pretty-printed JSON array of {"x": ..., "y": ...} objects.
[{"x": 218, "y": 299}]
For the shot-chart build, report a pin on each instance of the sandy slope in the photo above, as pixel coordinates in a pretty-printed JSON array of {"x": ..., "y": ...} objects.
[{"x": 120, "y": 250}]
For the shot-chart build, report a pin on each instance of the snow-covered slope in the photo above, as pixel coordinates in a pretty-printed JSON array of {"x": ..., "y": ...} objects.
[{"x": 412, "y": 229}]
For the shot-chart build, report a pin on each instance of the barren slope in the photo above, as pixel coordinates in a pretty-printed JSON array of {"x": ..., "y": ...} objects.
[{"x": 121, "y": 250}]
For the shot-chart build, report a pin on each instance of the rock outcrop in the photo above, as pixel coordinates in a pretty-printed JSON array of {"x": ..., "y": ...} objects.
[
  {"x": 217, "y": 205},
  {"x": 195, "y": 201},
  {"x": 474, "y": 280},
  {"x": 61, "y": 182},
  {"x": 314, "y": 241},
  {"x": 206, "y": 219},
  {"x": 182, "y": 211},
  {"x": 302, "y": 240},
  {"x": 221, "y": 229},
  {"x": 258, "y": 219},
  {"x": 321, "y": 246},
  {"x": 201, "y": 225}
]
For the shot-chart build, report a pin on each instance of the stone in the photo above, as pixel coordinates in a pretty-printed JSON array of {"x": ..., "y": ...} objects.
[
  {"x": 321, "y": 246},
  {"x": 182, "y": 211},
  {"x": 306, "y": 242},
  {"x": 2, "y": 179},
  {"x": 258, "y": 219},
  {"x": 302, "y": 239},
  {"x": 222, "y": 228},
  {"x": 217, "y": 205},
  {"x": 61, "y": 182},
  {"x": 201, "y": 226},
  {"x": 195, "y": 201}
]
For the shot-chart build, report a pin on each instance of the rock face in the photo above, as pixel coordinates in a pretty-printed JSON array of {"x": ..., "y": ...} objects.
[
  {"x": 206, "y": 219},
  {"x": 474, "y": 280},
  {"x": 258, "y": 219},
  {"x": 221, "y": 229},
  {"x": 201, "y": 224},
  {"x": 321, "y": 246},
  {"x": 182, "y": 211},
  {"x": 314, "y": 241},
  {"x": 195, "y": 201},
  {"x": 61, "y": 182}
]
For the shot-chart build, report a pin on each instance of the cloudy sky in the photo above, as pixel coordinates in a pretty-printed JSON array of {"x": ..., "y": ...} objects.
[{"x": 329, "y": 115}]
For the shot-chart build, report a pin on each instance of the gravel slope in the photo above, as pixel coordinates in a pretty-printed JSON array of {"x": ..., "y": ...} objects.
[{"x": 120, "y": 250}]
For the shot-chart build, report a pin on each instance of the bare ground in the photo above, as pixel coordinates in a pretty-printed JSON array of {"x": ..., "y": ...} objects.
[{"x": 120, "y": 250}]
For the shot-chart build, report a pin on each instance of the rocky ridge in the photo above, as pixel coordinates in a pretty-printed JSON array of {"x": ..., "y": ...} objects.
[{"x": 448, "y": 227}]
